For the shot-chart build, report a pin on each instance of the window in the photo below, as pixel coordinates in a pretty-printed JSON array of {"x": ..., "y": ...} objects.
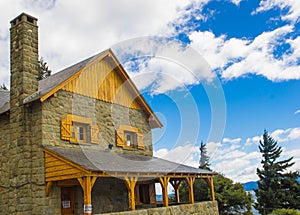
[
  {"x": 79, "y": 132},
  {"x": 79, "y": 129},
  {"x": 129, "y": 137}
]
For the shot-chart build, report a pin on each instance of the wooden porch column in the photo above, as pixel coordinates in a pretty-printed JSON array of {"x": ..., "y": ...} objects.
[
  {"x": 176, "y": 183},
  {"x": 164, "y": 186},
  {"x": 210, "y": 183},
  {"x": 87, "y": 184},
  {"x": 190, "y": 181},
  {"x": 130, "y": 183}
]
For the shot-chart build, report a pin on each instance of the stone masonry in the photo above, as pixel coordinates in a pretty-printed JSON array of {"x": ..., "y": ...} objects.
[{"x": 201, "y": 208}]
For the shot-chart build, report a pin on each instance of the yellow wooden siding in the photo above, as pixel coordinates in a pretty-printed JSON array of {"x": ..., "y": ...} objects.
[
  {"x": 101, "y": 81},
  {"x": 57, "y": 169}
]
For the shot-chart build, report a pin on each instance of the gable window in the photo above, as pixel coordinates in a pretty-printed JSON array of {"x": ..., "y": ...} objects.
[
  {"x": 79, "y": 129},
  {"x": 129, "y": 137}
]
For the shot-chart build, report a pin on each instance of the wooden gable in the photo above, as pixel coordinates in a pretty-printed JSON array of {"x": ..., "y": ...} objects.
[
  {"x": 105, "y": 79},
  {"x": 101, "y": 80}
]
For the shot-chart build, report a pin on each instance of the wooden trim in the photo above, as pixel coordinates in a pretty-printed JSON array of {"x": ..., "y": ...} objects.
[
  {"x": 135, "y": 91},
  {"x": 54, "y": 90},
  {"x": 58, "y": 168},
  {"x": 121, "y": 71},
  {"x": 48, "y": 187},
  {"x": 68, "y": 183},
  {"x": 129, "y": 128},
  {"x": 164, "y": 185},
  {"x": 140, "y": 141},
  {"x": 80, "y": 119}
]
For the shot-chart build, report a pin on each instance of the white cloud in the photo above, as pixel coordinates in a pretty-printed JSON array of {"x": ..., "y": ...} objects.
[
  {"x": 253, "y": 140},
  {"x": 236, "y": 2},
  {"x": 235, "y": 158},
  {"x": 292, "y": 6},
  {"x": 66, "y": 37},
  {"x": 164, "y": 65},
  {"x": 238, "y": 57},
  {"x": 287, "y": 135},
  {"x": 187, "y": 154},
  {"x": 297, "y": 111},
  {"x": 233, "y": 141}
]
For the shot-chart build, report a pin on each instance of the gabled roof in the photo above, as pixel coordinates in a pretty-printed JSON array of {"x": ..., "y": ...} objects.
[{"x": 57, "y": 81}]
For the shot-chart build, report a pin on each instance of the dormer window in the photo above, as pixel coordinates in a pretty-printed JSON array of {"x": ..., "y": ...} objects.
[
  {"x": 77, "y": 129},
  {"x": 129, "y": 137}
]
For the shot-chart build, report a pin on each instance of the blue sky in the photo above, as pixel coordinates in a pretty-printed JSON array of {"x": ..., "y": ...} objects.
[{"x": 214, "y": 71}]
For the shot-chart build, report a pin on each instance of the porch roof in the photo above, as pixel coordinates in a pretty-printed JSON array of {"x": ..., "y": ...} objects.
[{"x": 109, "y": 163}]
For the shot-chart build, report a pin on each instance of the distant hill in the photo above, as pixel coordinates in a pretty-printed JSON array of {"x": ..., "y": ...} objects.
[{"x": 251, "y": 185}]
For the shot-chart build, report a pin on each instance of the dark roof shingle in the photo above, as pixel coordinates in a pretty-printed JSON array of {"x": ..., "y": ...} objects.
[
  {"x": 110, "y": 162},
  {"x": 4, "y": 101}
]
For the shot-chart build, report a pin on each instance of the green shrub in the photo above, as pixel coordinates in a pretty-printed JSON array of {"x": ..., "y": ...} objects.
[{"x": 284, "y": 211}]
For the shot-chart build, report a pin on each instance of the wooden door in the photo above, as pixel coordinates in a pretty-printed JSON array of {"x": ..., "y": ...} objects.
[{"x": 67, "y": 201}]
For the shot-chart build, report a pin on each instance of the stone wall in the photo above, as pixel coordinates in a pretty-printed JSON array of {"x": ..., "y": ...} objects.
[
  {"x": 22, "y": 161},
  {"x": 106, "y": 115},
  {"x": 201, "y": 208},
  {"x": 108, "y": 194}
]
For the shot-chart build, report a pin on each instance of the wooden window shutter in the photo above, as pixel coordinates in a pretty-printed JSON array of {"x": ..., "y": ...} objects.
[
  {"x": 140, "y": 139},
  {"x": 95, "y": 134},
  {"x": 66, "y": 129},
  {"x": 120, "y": 137}
]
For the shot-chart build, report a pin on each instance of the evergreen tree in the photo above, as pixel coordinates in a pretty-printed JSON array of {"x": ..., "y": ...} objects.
[
  {"x": 232, "y": 198},
  {"x": 44, "y": 70},
  {"x": 3, "y": 87},
  {"x": 277, "y": 188},
  {"x": 204, "y": 158}
]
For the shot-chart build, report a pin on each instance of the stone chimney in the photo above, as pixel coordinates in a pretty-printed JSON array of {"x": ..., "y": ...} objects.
[
  {"x": 24, "y": 70},
  {"x": 23, "y": 58}
]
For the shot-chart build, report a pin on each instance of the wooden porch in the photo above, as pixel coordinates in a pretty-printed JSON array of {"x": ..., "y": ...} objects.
[{"x": 65, "y": 172}]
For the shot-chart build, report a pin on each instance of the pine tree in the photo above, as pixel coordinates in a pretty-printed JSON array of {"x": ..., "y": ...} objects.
[
  {"x": 204, "y": 158},
  {"x": 232, "y": 198},
  {"x": 44, "y": 70},
  {"x": 277, "y": 188}
]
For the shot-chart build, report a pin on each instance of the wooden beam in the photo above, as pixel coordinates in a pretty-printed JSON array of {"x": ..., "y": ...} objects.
[
  {"x": 68, "y": 183},
  {"x": 210, "y": 183},
  {"x": 87, "y": 195},
  {"x": 130, "y": 184},
  {"x": 176, "y": 183},
  {"x": 190, "y": 181},
  {"x": 87, "y": 183},
  {"x": 94, "y": 178},
  {"x": 80, "y": 180},
  {"x": 164, "y": 186},
  {"x": 48, "y": 187}
]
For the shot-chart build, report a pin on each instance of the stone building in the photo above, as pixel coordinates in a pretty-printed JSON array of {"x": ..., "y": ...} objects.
[{"x": 79, "y": 141}]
